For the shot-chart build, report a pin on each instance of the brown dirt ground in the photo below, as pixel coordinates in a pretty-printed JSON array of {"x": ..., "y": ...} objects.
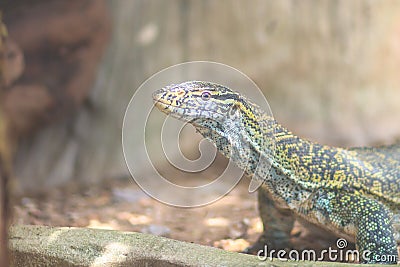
[{"x": 231, "y": 223}]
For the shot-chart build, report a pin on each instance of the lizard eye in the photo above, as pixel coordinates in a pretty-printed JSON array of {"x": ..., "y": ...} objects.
[{"x": 205, "y": 95}]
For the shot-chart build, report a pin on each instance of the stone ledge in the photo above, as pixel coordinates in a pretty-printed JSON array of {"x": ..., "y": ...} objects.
[{"x": 63, "y": 246}]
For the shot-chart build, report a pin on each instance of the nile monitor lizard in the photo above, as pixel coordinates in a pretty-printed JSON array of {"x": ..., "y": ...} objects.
[{"x": 354, "y": 193}]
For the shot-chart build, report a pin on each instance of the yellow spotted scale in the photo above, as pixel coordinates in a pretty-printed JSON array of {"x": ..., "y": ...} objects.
[{"x": 354, "y": 193}]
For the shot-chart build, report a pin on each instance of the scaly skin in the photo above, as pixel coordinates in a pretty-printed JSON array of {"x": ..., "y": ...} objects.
[{"x": 354, "y": 193}]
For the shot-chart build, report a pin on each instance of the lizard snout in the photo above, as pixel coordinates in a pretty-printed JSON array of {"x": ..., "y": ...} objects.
[{"x": 158, "y": 94}]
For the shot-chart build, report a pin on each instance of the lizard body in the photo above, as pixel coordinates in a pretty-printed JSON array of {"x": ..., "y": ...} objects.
[{"x": 354, "y": 193}]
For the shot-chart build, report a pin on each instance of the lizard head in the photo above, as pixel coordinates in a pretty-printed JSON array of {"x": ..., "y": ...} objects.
[
  {"x": 197, "y": 100},
  {"x": 223, "y": 116}
]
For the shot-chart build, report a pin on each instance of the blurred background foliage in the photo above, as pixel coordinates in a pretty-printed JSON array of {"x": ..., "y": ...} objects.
[{"x": 329, "y": 69}]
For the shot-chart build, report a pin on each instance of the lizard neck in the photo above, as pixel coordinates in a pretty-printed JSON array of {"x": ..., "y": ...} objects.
[
  {"x": 255, "y": 146},
  {"x": 251, "y": 142}
]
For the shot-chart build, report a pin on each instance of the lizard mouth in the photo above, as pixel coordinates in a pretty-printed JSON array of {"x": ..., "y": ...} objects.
[
  {"x": 163, "y": 104},
  {"x": 168, "y": 108},
  {"x": 160, "y": 102},
  {"x": 174, "y": 111}
]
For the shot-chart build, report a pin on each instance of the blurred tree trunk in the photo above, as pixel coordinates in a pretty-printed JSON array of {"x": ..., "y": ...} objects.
[
  {"x": 328, "y": 68},
  {"x": 4, "y": 191},
  {"x": 4, "y": 160},
  {"x": 54, "y": 48}
]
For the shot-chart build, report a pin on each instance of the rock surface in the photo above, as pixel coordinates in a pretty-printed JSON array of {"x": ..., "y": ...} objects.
[{"x": 64, "y": 246}]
